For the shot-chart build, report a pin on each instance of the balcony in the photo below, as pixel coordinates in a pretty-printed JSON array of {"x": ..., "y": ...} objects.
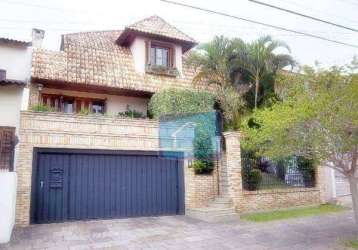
[{"x": 53, "y": 129}]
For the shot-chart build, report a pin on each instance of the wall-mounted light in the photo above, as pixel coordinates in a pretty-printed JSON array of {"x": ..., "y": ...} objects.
[
  {"x": 40, "y": 87},
  {"x": 190, "y": 163}
]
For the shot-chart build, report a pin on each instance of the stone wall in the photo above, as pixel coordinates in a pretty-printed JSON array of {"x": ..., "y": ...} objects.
[
  {"x": 57, "y": 130},
  {"x": 251, "y": 201}
]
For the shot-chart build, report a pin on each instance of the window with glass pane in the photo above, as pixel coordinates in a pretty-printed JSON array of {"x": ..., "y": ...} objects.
[
  {"x": 68, "y": 106},
  {"x": 159, "y": 56},
  {"x": 98, "y": 107}
]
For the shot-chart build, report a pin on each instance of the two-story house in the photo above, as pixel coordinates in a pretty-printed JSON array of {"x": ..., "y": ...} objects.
[{"x": 75, "y": 165}]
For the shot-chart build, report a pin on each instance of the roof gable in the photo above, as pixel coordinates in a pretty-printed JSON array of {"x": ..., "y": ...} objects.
[{"x": 156, "y": 27}]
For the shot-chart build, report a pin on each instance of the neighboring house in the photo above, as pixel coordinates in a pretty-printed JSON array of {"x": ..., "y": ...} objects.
[
  {"x": 75, "y": 166},
  {"x": 15, "y": 68}
]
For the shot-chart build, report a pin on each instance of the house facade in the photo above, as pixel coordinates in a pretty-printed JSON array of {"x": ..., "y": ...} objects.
[
  {"x": 81, "y": 160},
  {"x": 15, "y": 68},
  {"x": 104, "y": 73}
]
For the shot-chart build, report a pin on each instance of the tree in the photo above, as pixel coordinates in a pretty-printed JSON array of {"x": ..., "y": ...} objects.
[
  {"x": 259, "y": 60},
  {"x": 317, "y": 119},
  {"x": 213, "y": 63}
]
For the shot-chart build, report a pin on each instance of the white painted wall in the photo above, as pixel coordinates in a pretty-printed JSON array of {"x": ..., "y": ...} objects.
[
  {"x": 16, "y": 61},
  {"x": 10, "y": 105},
  {"x": 179, "y": 59},
  {"x": 8, "y": 182},
  {"x": 138, "y": 52},
  {"x": 115, "y": 103}
]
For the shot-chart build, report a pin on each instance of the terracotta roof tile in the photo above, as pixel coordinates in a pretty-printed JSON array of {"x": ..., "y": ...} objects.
[
  {"x": 6, "y": 82},
  {"x": 95, "y": 58},
  {"x": 158, "y": 26},
  {"x": 5, "y": 40}
]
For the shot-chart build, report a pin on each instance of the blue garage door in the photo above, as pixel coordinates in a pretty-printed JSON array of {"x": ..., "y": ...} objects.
[{"x": 81, "y": 185}]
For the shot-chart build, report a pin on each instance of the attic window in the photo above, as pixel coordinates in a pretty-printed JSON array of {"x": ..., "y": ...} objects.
[{"x": 160, "y": 54}]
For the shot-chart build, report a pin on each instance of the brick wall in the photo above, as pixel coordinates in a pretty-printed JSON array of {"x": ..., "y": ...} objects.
[
  {"x": 55, "y": 130},
  {"x": 250, "y": 201},
  {"x": 201, "y": 189}
]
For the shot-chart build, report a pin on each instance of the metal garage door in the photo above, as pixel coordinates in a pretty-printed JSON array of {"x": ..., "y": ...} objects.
[{"x": 80, "y": 185}]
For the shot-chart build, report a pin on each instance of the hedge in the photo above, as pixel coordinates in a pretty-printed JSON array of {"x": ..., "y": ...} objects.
[{"x": 177, "y": 101}]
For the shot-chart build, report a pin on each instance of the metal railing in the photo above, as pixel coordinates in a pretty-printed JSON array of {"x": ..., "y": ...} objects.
[{"x": 263, "y": 173}]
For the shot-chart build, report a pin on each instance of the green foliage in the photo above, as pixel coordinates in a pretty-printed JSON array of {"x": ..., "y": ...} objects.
[
  {"x": 131, "y": 113},
  {"x": 307, "y": 168},
  {"x": 85, "y": 111},
  {"x": 40, "y": 107},
  {"x": 203, "y": 151},
  {"x": 317, "y": 118},
  {"x": 214, "y": 67},
  {"x": 352, "y": 244},
  {"x": 202, "y": 167},
  {"x": 259, "y": 60},
  {"x": 177, "y": 101},
  {"x": 252, "y": 179},
  {"x": 292, "y": 213}
]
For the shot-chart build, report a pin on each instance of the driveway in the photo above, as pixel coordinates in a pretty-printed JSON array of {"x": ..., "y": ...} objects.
[{"x": 180, "y": 232}]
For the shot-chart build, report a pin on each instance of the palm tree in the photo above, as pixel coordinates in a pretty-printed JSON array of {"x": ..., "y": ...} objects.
[
  {"x": 213, "y": 61},
  {"x": 258, "y": 59}
]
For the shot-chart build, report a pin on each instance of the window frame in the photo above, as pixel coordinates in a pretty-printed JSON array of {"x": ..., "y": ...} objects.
[
  {"x": 161, "y": 45},
  {"x": 57, "y": 102}
]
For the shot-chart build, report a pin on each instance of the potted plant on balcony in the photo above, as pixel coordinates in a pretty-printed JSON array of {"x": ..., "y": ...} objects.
[{"x": 162, "y": 70}]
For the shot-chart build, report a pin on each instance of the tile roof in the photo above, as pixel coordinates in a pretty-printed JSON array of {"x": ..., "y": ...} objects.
[
  {"x": 5, "y": 40},
  {"x": 12, "y": 82},
  {"x": 155, "y": 25},
  {"x": 94, "y": 58}
]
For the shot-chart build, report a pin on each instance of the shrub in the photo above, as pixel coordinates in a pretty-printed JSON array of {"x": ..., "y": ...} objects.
[
  {"x": 85, "y": 111},
  {"x": 132, "y": 113},
  {"x": 40, "y": 107},
  {"x": 203, "y": 150},
  {"x": 252, "y": 179},
  {"x": 176, "y": 101},
  {"x": 203, "y": 167}
]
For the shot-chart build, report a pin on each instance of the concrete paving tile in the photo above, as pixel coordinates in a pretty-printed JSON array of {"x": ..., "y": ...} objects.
[{"x": 180, "y": 232}]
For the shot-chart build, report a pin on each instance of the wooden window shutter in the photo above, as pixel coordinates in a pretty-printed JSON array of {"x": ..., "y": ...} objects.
[
  {"x": 172, "y": 57},
  {"x": 147, "y": 52}
]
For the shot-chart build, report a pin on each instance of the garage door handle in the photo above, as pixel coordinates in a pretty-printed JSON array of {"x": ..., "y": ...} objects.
[{"x": 41, "y": 184}]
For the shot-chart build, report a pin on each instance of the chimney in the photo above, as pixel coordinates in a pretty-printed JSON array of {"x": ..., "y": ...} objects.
[
  {"x": 2, "y": 74},
  {"x": 37, "y": 37}
]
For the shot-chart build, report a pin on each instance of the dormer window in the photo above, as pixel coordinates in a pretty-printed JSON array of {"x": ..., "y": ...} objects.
[{"x": 159, "y": 56}]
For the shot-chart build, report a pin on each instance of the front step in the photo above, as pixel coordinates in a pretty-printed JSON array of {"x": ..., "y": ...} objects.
[{"x": 219, "y": 210}]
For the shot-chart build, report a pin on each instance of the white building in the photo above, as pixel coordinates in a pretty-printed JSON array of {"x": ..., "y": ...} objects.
[{"x": 15, "y": 71}]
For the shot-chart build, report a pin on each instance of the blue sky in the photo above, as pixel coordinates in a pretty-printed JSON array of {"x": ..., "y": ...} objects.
[{"x": 67, "y": 16}]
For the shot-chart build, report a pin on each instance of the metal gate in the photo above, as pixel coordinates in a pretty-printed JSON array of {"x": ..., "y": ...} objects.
[{"x": 83, "y": 184}]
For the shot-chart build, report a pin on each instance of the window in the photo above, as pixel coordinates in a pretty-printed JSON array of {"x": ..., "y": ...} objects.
[
  {"x": 7, "y": 144},
  {"x": 98, "y": 107},
  {"x": 159, "y": 56},
  {"x": 70, "y": 104}
]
